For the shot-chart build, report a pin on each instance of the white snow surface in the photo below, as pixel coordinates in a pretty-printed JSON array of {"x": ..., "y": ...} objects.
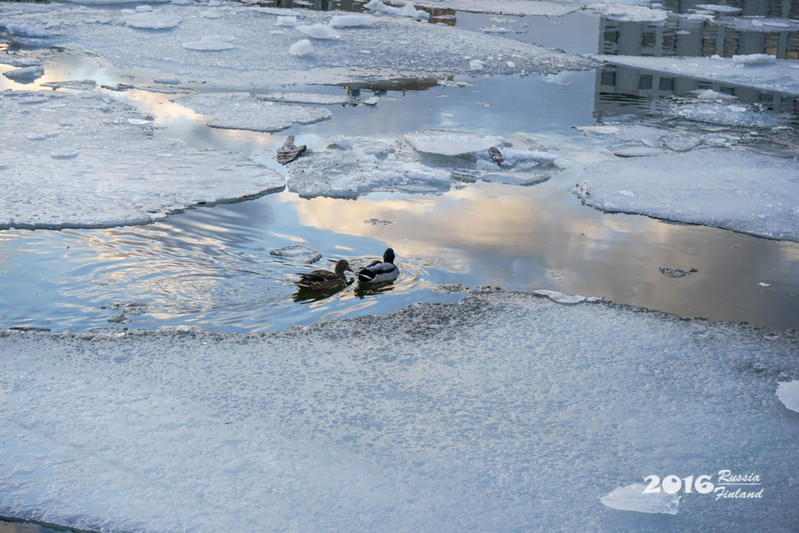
[
  {"x": 241, "y": 111},
  {"x": 399, "y": 47},
  {"x": 738, "y": 190},
  {"x": 87, "y": 160},
  {"x": 501, "y": 412},
  {"x": 770, "y": 75}
]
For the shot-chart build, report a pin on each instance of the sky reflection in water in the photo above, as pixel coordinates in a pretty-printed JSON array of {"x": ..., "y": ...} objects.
[{"x": 211, "y": 267}]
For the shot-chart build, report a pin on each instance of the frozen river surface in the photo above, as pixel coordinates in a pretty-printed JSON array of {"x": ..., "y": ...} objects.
[{"x": 648, "y": 157}]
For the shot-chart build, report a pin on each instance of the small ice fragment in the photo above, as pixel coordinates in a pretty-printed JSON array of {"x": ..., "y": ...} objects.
[
  {"x": 319, "y": 31},
  {"x": 599, "y": 130},
  {"x": 560, "y": 297},
  {"x": 25, "y": 74},
  {"x": 476, "y": 64},
  {"x": 676, "y": 273},
  {"x": 764, "y": 284},
  {"x": 788, "y": 393},
  {"x": 138, "y": 121},
  {"x": 65, "y": 153},
  {"x": 632, "y": 498},
  {"x": 634, "y": 150},
  {"x": 754, "y": 59},
  {"x": 350, "y": 21},
  {"x": 211, "y": 14},
  {"x": 301, "y": 48},
  {"x": 297, "y": 253},
  {"x": 290, "y": 21}
]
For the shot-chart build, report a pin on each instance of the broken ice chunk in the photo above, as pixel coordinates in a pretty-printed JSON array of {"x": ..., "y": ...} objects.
[
  {"x": 632, "y": 498},
  {"x": 351, "y": 21},
  {"x": 301, "y": 48},
  {"x": 451, "y": 143},
  {"x": 788, "y": 393},
  {"x": 319, "y": 31},
  {"x": 25, "y": 74},
  {"x": 297, "y": 253}
]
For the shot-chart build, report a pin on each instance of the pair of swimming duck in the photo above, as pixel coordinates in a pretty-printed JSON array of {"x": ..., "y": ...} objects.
[{"x": 373, "y": 273}]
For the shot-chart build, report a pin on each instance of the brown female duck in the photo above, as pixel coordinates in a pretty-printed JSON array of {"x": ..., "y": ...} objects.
[{"x": 325, "y": 280}]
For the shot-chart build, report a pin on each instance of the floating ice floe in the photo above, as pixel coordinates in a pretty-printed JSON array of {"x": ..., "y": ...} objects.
[
  {"x": 738, "y": 190},
  {"x": 451, "y": 143},
  {"x": 719, "y": 8},
  {"x": 565, "y": 298},
  {"x": 788, "y": 393},
  {"x": 350, "y": 167},
  {"x": 632, "y": 498},
  {"x": 297, "y": 253},
  {"x": 87, "y": 160},
  {"x": 25, "y": 74},
  {"x": 421, "y": 162},
  {"x": 629, "y": 13},
  {"x": 723, "y": 114},
  {"x": 304, "y": 98},
  {"x": 504, "y": 7},
  {"x": 759, "y": 24},
  {"x": 243, "y": 112},
  {"x": 776, "y": 75}
]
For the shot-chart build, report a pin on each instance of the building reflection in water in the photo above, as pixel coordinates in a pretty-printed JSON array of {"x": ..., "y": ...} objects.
[{"x": 757, "y": 27}]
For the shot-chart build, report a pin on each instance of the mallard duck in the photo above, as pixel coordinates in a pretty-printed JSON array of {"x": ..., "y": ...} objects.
[
  {"x": 324, "y": 280},
  {"x": 380, "y": 271}
]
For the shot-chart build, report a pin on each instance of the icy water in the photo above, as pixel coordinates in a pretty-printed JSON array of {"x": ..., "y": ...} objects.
[{"x": 210, "y": 267}]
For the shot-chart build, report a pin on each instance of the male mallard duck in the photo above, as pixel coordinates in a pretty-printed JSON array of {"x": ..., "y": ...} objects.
[
  {"x": 324, "y": 280},
  {"x": 380, "y": 271}
]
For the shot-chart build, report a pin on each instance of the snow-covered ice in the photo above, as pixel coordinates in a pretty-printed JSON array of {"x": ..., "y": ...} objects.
[
  {"x": 301, "y": 48},
  {"x": 733, "y": 189},
  {"x": 501, "y": 412},
  {"x": 399, "y": 47},
  {"x": 773, "y": 75},
  {"x": 420, "y": 162},
  {"x": 87, "y": 160},
  {"x": 239, "y": 111},
  {"x": 350, "y": 167}
]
